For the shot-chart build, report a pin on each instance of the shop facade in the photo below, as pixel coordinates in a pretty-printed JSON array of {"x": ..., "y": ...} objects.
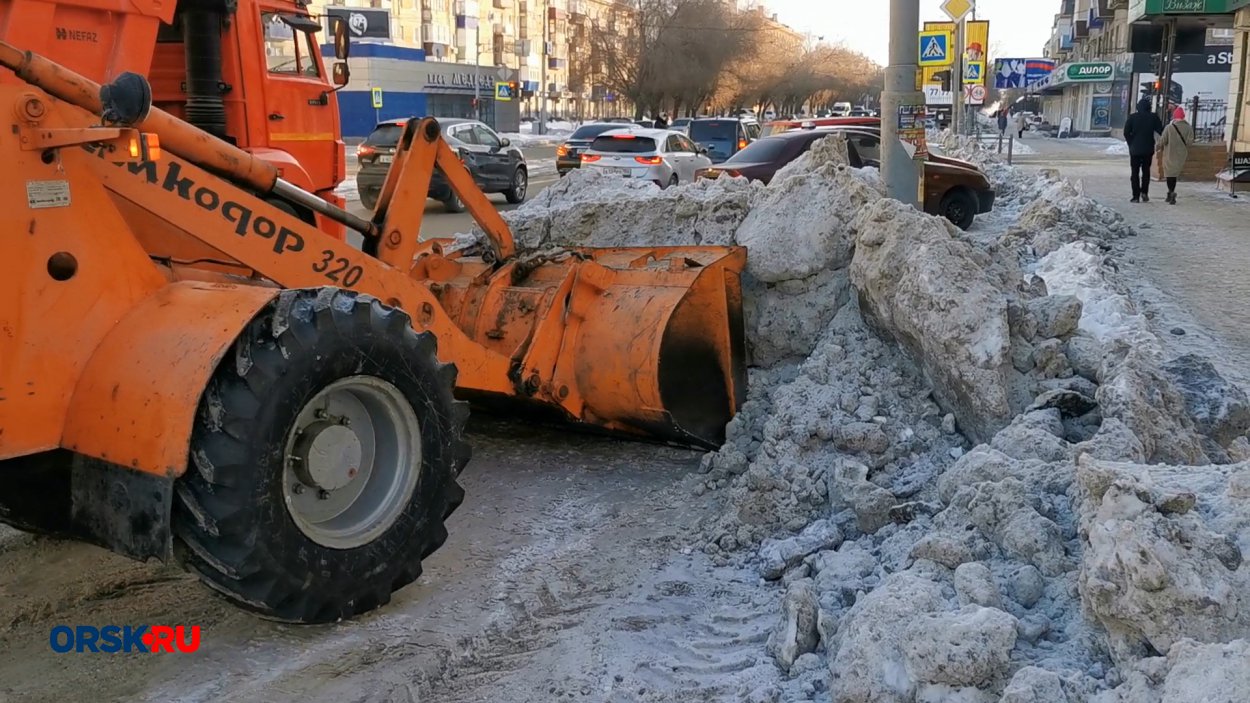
[{"x": 394, "y": 82}]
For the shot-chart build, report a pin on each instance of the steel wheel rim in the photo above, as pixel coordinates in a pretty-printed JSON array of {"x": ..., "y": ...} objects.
[
  {"x": 522, "y": 182},
  {"x": 352, "y": 462}
]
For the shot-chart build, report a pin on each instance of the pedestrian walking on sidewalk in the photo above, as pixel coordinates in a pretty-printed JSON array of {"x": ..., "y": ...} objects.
[
  {"x": 1139, "y": 131},
  {"x": 1021, "y": 125},
  {"x": 1002, "y": 122},
  {"x": 1174, "y": 150}
]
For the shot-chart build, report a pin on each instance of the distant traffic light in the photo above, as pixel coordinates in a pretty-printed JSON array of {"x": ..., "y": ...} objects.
[{"x": 945, "y": 78}]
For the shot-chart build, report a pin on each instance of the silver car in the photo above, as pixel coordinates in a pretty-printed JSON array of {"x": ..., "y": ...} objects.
[{"x": 662, "y": 156}]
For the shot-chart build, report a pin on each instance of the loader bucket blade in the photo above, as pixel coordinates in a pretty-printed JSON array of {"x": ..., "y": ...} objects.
[{"x": 661, "y": 349}]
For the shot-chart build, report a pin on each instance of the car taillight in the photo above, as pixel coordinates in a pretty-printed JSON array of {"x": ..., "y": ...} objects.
[
  {"x": 587, "y": 158},
  {"x": 733, "y": 173},
  {"x": 742, "y": 143},
  {"x": 365, "y": 150},
  {"x": 649, "y": 160},
  {"x": 562, "y": 150}
]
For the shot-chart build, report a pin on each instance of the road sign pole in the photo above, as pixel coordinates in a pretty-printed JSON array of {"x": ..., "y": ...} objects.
[
  {"x": 901, "y": 170},
  {"x": 957, "y": 79}
]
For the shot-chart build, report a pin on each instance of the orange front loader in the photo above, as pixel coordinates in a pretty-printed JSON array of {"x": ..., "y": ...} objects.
[{"x": 280, "y": 413}]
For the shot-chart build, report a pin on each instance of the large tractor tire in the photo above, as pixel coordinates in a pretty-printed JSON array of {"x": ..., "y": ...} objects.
[{"x": 323, "y": 460}]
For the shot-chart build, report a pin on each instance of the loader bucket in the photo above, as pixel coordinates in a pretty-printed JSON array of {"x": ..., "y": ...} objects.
[
  {"x": 645, "y": 342},
  {"x": 662, "y": 349}
]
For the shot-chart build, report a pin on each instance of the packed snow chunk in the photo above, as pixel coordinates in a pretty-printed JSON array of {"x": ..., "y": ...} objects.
[
  {"x": 784, "y": 320},
  {"x": 1193, "y": 672},
  {"x": 1220, "y": 409},
  {"x": 1140, "y": 394},
  {"x": 1035, "y": 685},
  {"x": 778, "y": 555},
  {"x": 970, "y": 647},
  {"x": 593, "y": 209},
  {"x": 974, "y": 585},
  {"x": 1056, "y": 315},
  {"x": 1059, "y": 214},
  {"x": 795, "y": 634},
  {"x": 1037, "y": 434},
  {"x": 1114, "y": 441},
  {"x": 1157, "y": 566},
  {"x": 1107, "y": 314},
  {"x": 987, "y": 463},
  {"x": 802, "y": 223},
  {"x": 830, "y": 152},
  {"x": 866, "y": 656},
  {"x": 1006, "y": 513},
  {"x": 927, "y": 290},
  {"x": 844, "y": 570},
  {"x": 849, "y": 487}
]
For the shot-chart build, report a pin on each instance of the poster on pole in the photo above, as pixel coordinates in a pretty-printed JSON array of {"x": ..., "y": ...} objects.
[{"x": 977, "y": 41}]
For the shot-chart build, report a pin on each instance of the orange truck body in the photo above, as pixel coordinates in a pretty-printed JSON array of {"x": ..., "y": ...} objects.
[
  {"x": 288, "y": 118},
  {"x": 132, "y": 276}
]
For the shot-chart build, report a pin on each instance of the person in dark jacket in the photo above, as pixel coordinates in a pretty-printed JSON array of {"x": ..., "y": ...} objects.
[
  {"x": 1139, "y": 131},
  {"x": 1002, "y": 122}
]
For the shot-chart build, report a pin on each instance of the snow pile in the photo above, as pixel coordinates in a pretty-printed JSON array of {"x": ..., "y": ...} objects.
[
  {"x": 1060, "y": 213},
  {"x": 1117, "y": 149},
  {"x": 591, "y": 208},
  {"x": 911, "y": 565}
]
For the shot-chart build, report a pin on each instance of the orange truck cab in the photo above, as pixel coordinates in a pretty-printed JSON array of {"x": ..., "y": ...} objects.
[{"x": 247, "y": 71}]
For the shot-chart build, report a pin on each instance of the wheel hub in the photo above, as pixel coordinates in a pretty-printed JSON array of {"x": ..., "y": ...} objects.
[
  {"x": 327, "y": 456},
  {"x": 353, "y": 460}
]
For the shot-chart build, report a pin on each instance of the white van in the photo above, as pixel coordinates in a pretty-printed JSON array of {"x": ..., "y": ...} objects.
[{"x": 841, "y": 109}]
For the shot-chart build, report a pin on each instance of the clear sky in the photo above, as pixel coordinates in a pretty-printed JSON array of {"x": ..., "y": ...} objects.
[{"x": 1019, "y": 27}]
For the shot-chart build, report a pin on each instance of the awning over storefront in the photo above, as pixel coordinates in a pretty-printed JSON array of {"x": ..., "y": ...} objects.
[{"x": 1185, "y": 11}]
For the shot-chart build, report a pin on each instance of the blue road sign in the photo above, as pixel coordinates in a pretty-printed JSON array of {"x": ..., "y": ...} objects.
[{"x": 935, "y": 49}]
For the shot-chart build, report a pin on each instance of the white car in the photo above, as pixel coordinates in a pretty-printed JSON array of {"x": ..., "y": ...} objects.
[{"x": 662, "y": 156}]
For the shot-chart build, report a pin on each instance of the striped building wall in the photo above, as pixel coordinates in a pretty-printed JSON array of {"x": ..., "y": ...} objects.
[
  {"x": 414, "y": 87},
  {"x": 397, "y": 70}
]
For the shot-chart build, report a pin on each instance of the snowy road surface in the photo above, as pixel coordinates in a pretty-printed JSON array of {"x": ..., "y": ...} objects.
[{"x": 564, "y": 580}]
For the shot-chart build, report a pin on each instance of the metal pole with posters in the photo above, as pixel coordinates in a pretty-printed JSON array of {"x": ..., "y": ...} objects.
[
  {"x": 957, "y": 78},
  {"x": 903, "y": 107}
]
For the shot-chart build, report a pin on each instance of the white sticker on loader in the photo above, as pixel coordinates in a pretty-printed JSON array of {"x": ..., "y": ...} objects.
[{"x": 44, "y": 194}]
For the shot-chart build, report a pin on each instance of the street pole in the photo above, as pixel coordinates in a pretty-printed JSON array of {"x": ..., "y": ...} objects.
[
  {"x": 957, "y": 79},
  {"x": 477, "y": 70},
  {"x": 900, "y": 170},
  {"x": 542, "y": 89}
]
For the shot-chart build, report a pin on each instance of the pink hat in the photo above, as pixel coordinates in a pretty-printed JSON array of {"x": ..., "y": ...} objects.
[{"x": 1179, "y": 114}]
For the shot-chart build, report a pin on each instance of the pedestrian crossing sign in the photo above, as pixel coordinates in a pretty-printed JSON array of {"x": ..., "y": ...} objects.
[
  {"x": 974, "y": 72},
  {"x": 935, "y": 49}
]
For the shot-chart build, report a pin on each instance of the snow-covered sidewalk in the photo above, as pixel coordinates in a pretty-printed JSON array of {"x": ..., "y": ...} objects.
[{"x": 1188, "y": 262}]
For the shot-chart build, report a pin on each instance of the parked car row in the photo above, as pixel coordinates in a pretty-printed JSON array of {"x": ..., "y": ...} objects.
[
  {"x": 706, "y": 148},
  {"x": 496, "y": 164},
  {"x": 954, "y": 189}
]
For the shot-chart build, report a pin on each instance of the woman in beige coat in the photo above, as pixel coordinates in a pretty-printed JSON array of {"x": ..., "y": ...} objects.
[{"x": 1173, "y": 150}]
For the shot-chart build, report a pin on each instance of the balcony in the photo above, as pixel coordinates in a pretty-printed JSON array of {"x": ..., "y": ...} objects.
[
  {"x": 555, "y": 14},
  {"x": 556, "y": 64},
  {"x": 577, "y": 10},
  {"x": 503, "y": 4},
  {"x": 466, "y": 22}
]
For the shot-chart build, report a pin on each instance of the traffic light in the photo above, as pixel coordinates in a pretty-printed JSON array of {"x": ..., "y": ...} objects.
[{"x": 945, "y": 78}]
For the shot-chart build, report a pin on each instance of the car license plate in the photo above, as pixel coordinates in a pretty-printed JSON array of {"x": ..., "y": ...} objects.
[
  {"x": 385, "y": 159},
  {"x": 619, "y": 171}
]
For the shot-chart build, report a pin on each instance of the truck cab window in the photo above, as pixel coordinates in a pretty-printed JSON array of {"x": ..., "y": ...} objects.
[{"x": 289, "y": 45}]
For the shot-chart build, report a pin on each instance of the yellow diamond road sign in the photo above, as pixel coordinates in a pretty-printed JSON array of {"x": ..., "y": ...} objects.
[{"x": 957, "y": 9}]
